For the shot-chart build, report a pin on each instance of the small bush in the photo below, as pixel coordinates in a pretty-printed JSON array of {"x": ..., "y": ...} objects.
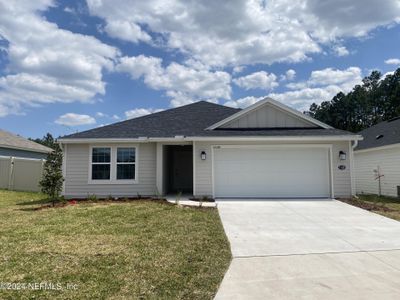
[{"x": 92, "y": 197}]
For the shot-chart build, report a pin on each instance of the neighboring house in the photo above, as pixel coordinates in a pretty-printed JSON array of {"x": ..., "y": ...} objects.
[
  {"x": 267, "y": 150},
  {"x": 378, "y": 156},
  {"x": 17, "y": 146},
  {"x": 21, "y": 162}
]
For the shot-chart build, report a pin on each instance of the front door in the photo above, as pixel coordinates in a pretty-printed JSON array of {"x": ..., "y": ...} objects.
[{"x": 180, "y": 169}]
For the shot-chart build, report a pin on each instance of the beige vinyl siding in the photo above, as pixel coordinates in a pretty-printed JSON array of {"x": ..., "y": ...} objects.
[
  {"x": 203, "y": 168},
  {"x": 20, "y": 174},
  {"x": 267, "y": 117},
  {"x": 388, "y": 161},
  {"x": 77, "y": 173},
  {"x": 5, "y": 169}
]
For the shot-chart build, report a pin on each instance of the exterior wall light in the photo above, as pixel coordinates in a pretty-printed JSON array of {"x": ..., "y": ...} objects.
[
  {"x": 203, "y": 155},
  {"x": 342, "y": 155}
]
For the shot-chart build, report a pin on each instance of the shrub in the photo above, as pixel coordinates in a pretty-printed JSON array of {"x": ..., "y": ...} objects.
[
  {"x": 92, "y": 197},
  {"x": 52, "y": 179}
]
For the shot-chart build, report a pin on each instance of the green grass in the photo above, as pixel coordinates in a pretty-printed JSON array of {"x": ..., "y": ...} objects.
[
  {"x": 385, "y": 206},
  {"x": 142, "y": 249}
]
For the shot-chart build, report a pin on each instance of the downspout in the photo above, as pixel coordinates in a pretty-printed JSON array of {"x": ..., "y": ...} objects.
[{"x": 353, "y": 185}]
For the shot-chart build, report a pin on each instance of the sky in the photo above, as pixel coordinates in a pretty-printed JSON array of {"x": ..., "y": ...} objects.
[{"x": 68, "y": 66}]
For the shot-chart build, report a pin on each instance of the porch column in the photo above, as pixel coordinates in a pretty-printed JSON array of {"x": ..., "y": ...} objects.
[{"x": 159, "y": 169}]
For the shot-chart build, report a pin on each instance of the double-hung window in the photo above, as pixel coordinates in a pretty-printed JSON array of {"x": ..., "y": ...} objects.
[
  {"x": 126, "y": 163},
  {"x": 113, "y": 164},
  {"x": 101, "y": 163}
]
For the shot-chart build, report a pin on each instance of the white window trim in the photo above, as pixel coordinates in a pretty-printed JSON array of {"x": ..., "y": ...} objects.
[{"x": 113, "y": 165}]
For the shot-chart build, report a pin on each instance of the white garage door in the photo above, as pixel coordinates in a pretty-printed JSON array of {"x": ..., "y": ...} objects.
[{"x": 271, "y": 172}]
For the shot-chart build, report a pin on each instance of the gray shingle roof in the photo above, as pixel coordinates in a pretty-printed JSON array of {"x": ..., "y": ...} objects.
[
  {"x": 190, "y": 120},
  {"x": 10, "y": 140},
  {"x": 381, "y": 134}
]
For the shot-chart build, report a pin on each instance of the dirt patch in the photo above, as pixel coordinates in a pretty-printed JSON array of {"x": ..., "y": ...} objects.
[
  {"x": 367, "y": 205},
  {"x": 203, "y": 199}
]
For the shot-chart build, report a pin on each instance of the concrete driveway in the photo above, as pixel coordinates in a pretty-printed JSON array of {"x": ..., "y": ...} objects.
[{"x": 316, "y": 249}]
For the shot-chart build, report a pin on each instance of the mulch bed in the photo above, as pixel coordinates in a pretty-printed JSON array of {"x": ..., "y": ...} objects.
[
  {"x": 60, "y": 204},
  {"x": 367, "y": 205}
]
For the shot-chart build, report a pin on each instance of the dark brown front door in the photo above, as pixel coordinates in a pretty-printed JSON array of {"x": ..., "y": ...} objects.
[{"x": 180, "y": 169}]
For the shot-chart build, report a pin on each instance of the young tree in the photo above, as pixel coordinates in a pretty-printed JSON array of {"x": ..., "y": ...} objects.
[
  {"x": 48, "y": 140},
  {"x": 52, "y": 180}
]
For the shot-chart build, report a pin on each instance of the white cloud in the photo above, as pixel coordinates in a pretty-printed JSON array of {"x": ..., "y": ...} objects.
[
  {"x": 243, "y": 102},
  {"x": 340, "y": 50},
  {"x": 392, "y": 61},
  {"x": 329, "y": 76},
  {"x": 289, "y": 75},
  {"x": 101, "y": 115},
  {"x": 47, "y": 64},
  {"x": 250, "y": 31},
  {"x": 260, "y": 80},
  {"x": 238, "y": 69},
  {"x": 181, "y": 83},
  {"x": 322, "y": 85},
  {"x": 303, "y": 98},
  {"x": 127, "y": 31},
  {"x": 139, "y": 112},
  {"x": 71, "y": 119}
]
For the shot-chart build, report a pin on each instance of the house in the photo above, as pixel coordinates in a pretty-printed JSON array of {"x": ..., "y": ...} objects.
[
  {"x": 21, "y": 162},
  {"x": 267, "y": 150},
  {"x": 377, "y": 159},
  {"x": 17, "y": 146}
]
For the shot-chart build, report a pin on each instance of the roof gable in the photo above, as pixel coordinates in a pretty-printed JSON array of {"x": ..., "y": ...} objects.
[{"x": 268, "y": 113}]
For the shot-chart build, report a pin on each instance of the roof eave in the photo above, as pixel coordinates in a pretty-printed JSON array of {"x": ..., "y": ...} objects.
[
  {"x": 212, "y": 138},
  {"x": 377, "y": 148},
  {"x": 26, "y": 148}
]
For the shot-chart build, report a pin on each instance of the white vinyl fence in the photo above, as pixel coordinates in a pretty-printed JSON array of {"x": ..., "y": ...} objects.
[{"x": 20, "y": 174}]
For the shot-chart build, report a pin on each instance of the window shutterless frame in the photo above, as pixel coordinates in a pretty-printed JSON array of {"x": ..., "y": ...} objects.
[
  {"x": 100, "y": 159},
  {"x": 126, "y": 158},
  {"x": 113, "y": 165}
]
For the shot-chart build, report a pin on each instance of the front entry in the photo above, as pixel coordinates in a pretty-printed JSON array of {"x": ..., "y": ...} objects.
[{"x": 179, "y": 169}]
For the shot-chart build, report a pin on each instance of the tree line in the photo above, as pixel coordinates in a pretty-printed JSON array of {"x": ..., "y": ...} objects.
[{"x": 377, "y": 99}]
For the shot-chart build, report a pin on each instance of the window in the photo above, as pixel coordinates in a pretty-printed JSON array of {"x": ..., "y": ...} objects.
[
  {"x": 126, "y": 163},
  {"x": 101, "y": 163},
  {"x": 113, "y": 164}
]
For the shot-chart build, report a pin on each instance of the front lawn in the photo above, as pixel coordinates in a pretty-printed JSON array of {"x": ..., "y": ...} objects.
[
  {"x": 141, "y": 249},
  {"x": 386, "y": 206}
]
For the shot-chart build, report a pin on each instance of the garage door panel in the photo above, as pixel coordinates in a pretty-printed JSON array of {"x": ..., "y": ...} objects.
[{"x": 266, "y": 172}]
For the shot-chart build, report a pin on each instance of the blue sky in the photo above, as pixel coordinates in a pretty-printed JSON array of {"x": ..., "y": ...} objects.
[{"x": 68, "y": 66}]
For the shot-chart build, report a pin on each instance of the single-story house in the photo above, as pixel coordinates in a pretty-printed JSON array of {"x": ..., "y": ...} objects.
[
  {"x": 267, "y": 150},
  {"x": 377, "y": 159},
  {"x": 17, "y": 146}
]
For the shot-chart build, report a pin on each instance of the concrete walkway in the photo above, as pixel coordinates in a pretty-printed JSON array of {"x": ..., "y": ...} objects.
[
  {"x": 317, "y": 249},
  {"x": 187, "y": 202}
]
